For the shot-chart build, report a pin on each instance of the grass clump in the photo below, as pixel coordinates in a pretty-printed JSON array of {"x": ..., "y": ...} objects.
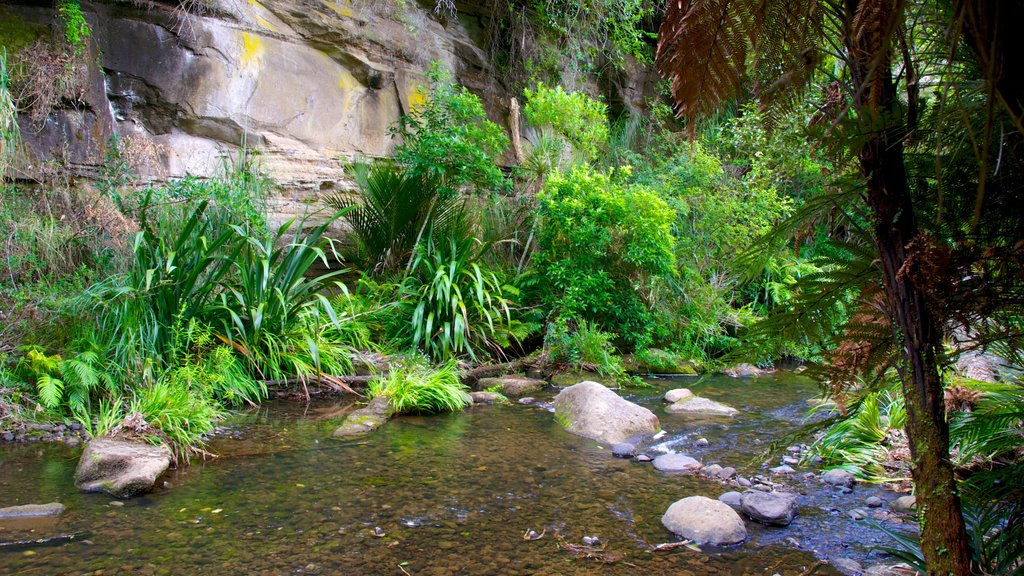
[{"x": 416, "y": 389}]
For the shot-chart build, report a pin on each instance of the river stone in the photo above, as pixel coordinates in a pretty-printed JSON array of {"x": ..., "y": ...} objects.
[
  {"x": 775, "y": 508},
  {"x": 873, "y": 502},
  {"x": 746, "y": 371},
  {"x": 838, "y": 478},
  {"x": 673, "y": 462},
  {"x": 512, "y": 385},
  {"x": 904, "y": 504},
  {"x": 697, "y": 406},
  {"x": 847, "y": 566},
  {"x": 784, "y": 469},
  {"x": 705, "y": 521},
  {"x": 119, "y": 467},
  {"x": 32, "y": 510},
  {"x": 732, "y": 499},
  {"x": 485, "y": 397},
  {"x": 712, "y": 471},
  {"x": 590, "y": 410},
  {"x": 727, "y": 473},
  {"x": 366, "y": 419},
  {"x": 623, "y": 450},
  {"x": 673, "y": 396}
]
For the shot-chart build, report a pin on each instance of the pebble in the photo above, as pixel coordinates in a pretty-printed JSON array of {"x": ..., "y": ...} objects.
[
  {"x": 784, "y": 469},
  {"x": 857, "y": 514},
  {"x": 624, "y": 450},
  {"x": 528, "y": 400},
  {"x": 643, "y": 458},
  {"x": 591, "y": 540},
  {"x": 790, "y": 460},
  {"x": 116, "y": 503},
  {"x": 701, "y": 442},
  {"x": 743, "y": 481},
  {"x": 8, "y": 436},
  {"x": 727, "y": 473},
  {"x": 873, "y": 501}
]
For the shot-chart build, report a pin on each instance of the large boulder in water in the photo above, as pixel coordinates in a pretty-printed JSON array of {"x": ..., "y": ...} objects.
[
  {"x": 696, "y": 406},
  {"x": 705, "y": 521},
  {"x": 775, "y": 508},
  {"x": 122, "y": 468},
  {"x": 366, "y": 419},
  {"x": 593, "y": 411}
]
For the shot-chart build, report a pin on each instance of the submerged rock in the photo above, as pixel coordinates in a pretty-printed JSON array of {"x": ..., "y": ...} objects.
[
  {"x": 121, "y": 468},
  {"x": 705, "y": 521},
  {"x": 366, "y": 419},
  {"x": 32, "y": 510},
  {"x": 838, "y": 478},
  {"x": 673, "y": 396},
  {"x": 784, "y": 469},
  {"x": 847, "y": 566},
  {"x": 746, "y": 371},
  {"x": 623, "y": 450},
  {"x": 775, "y": 508},
  {"x": 676, "y": 463},
  {"x": 593, "y": 411},
  {"x": 697, "y": 406},
  {"x": 512, "y": 385},
  {"x": 486, "y": 397}
]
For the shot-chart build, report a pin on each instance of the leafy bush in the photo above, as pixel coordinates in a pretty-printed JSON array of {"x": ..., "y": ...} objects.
[
  {"x": 582, "y": 346},
  {"x": 415, "y": 389},
  {"x": 572, "y": 116},
  {"x": 601, "y": 245},
  {"x": 457, "y": 306},
  {"x": 448, "y": 136},
  {"x": 71, "y": 385},
  {"x": 176, "y": 414},
  {"x": 395, "y": 206}
]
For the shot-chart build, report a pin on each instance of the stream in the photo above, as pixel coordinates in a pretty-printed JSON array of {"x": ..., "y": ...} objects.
[{"x": 439, "y": 495}]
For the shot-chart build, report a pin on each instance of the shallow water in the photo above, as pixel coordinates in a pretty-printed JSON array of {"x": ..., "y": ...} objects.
[{"x": 432, "y": 495}]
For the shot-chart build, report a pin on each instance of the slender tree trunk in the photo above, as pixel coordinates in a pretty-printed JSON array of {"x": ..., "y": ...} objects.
[{"x": 943, "y": 532}]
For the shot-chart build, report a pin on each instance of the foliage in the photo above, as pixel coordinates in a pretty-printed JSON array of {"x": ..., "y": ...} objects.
[
  {"x": 412, "y": 388},
  {"x": 272, "y": 313},
  {"x": 861, "y": 441},
  {"x": 600, "y": 245},
  {"x": 176, "y": 413},
  {"x": 457, "y": 306},
  {"x": 581, "y": 346},
  {"x": 10, "y": 133},
  {"x": 448, "y": 136},
  {"x": 76, "y": 29},
  {"x": 70, "y": 385},
  {"x": 572, "y": 116},
  {"x": 395, "y": 206}
]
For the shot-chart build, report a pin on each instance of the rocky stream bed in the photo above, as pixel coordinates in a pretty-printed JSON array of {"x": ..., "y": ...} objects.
[{"x": 499, "y": 489}]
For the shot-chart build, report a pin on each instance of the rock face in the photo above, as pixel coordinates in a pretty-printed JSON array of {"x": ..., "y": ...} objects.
[
  {"x": 32, "y": 510},
  {"x": 697, "y": 406},
  {"x": 312, "y": 84},
  {"x": 593, "y": 411},
  {"x": 775, "y": 508},
  {"x": 512, "y": 385},
  {"x": 366, "y": 419},
  {"x": 705, "y": 521},
  {"x": 673, "y": 396},
  {"x": 119, "y": 467},
  {"x": 676, "y": 463}
]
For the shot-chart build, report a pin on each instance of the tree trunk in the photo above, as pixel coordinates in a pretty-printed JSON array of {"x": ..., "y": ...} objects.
[{"x": 944, "y": 539}]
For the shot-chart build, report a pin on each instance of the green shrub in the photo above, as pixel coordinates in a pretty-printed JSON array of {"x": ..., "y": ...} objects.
[
  {"x": 395, "y": 206},
  {"x": 601, "y": 245},
  {"x": 572, "y": 116},
  {"x": 582, "y": 346},
  {"x": 414, "y": 388},
  {"x": 457, "y": 306},
  {"x": 67, "y": 386},
  {"x": 449, "y": 136},
  {"x": 176, "y": 414}
]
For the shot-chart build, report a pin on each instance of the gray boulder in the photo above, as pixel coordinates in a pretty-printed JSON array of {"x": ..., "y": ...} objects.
[
  {"x": 904, "y": 504},
  {"x": 838, "y": 478},
  {"x": 590, "y": 410},
  {"x": 366, "y": 419},
  {"x": 705, "y": 521},
  {"x": 732, "y": 499},
  {"x": 775, "y": 508},
  {"x": 512, "y": 385},
  {"x": 32, "y": 510},
  {"x": 697, "y": 406},
  {"x": 746, "y": 371},
  {"x": 119, "y": 467},
  {"x": 676, "y": 463},
  {"x": 673, "y": 396}
]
